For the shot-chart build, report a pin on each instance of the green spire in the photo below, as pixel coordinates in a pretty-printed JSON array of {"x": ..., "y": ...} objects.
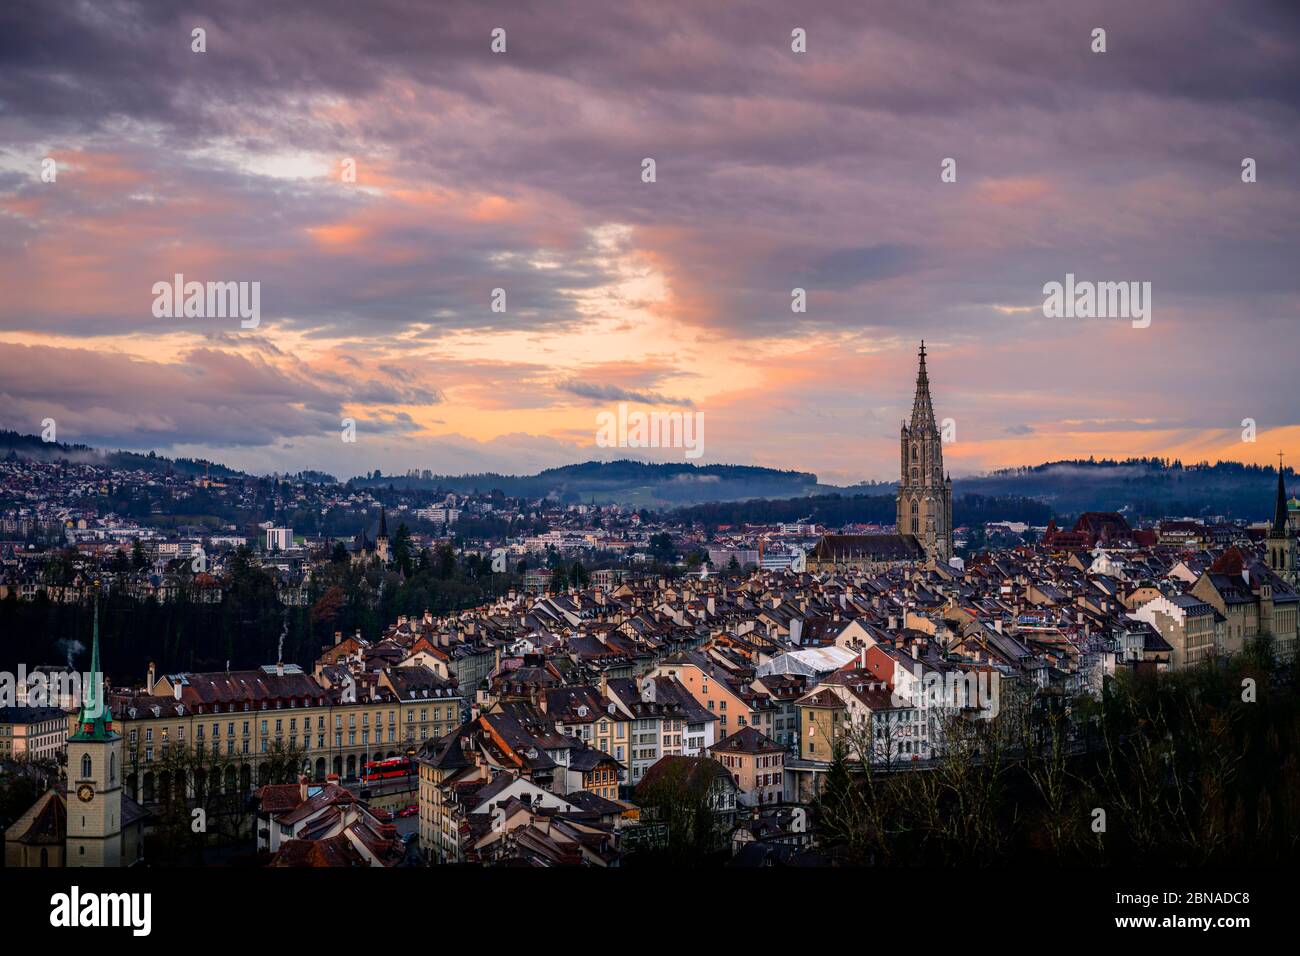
[{"x": 94, "y": 720}]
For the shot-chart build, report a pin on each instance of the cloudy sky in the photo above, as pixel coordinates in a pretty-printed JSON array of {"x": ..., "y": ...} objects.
[{"x": 522, "y": 170}]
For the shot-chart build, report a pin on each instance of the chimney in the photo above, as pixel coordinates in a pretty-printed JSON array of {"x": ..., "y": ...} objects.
[
  {"x": 604, "y": 685},
  {"x": 302, "y": 787},
  {"x": 338, "y": 637},
  {"x": 150, "y": 678},
  {"x": 176, "y": 690},
  {"x": 279, "y": 668}
]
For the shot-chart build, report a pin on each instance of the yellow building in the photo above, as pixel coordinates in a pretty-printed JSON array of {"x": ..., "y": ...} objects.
[
  {"x": 246, "y": 728},
  {"x": 32, "y": 733}
]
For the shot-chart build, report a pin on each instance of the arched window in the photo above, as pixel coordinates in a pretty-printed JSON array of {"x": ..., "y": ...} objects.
[
  {"x": 913, "y": 453},
  {"x": 112, "y": 768},
  {"x": 86, "y": 771},
  {"x": 914, "y": 506}
]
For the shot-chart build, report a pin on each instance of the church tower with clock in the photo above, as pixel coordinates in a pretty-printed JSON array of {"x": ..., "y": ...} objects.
[
  {"x": 924, "y": 492},
  {"x": 94, "y": 775}
]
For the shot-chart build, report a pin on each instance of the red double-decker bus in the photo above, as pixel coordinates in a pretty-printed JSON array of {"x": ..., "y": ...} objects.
[{"x": 388, "y": 769}]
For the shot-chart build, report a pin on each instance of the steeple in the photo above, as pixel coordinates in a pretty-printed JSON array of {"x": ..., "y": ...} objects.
[
  {"x": 924, "y": 503},
  {"x": 1279, "y": 507},
  {"x": 922, "y": 408},
  {"x": 383, "y": 523},
  {"x": 94, "y": 719}
]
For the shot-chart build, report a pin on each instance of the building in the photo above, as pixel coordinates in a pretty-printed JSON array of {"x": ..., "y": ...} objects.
[
  {"x": 1281, "y": 542},
  {"x": 757, "y": 762},
  {"x": 32, "y": 733},
  {"x": 923, "y": 520},
  {"x": 1257, "y": 599},
  {"x": 95, "y": 776},
  {"x": 104, "y": 827},
  {"x": 924, "y": 492},
  {"x": 381, "y": 540},
  {"x": 244, "y": 723},
  {"x": 1093, "y": 529},
  {"x": 684, "y": 783},
  {"x": 1191, "y": 626},
  {"x": 323, "y": 825},
  {"x": 279, "y": 539}
]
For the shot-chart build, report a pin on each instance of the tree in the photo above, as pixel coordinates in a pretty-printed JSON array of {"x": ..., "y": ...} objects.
[
  {"x": 402, "y": 549},
  {"x": 559, "y": 579}
]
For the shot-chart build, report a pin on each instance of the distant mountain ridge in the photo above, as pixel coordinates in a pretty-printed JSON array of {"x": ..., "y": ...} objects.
[
  {"x": 33, "y": 448},
  {"x": 1138, "y": 487},
  {"x": 637, "y": 483}
]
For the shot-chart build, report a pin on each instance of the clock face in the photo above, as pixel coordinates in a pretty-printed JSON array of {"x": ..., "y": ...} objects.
[{"x": 85, "y": 793}]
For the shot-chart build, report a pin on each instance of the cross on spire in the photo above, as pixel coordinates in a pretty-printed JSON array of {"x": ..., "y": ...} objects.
[{"x": 1279, "y": 507}]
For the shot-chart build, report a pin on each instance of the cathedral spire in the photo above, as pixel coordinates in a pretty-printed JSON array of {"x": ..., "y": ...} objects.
[{"x": 922, "y": 407}]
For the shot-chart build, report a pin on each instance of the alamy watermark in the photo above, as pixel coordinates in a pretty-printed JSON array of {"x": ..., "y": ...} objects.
[
  {"x": 638, "y": 429},
  {"x": 75, "y": 909},
  {"x": 949, "y": 690},
  {"x": 179, "y": 299},
  {"x": 1098, "y": 300},
  {"x": 64, "y": 689}
]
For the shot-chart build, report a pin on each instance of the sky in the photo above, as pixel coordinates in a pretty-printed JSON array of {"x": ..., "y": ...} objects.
[{"x": 774, "y": 170}]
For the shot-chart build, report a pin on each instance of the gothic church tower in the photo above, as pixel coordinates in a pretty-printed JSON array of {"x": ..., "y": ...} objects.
[
  {"x": 1281, "y": 543},
  {"x": 924, "y": 492},
  {"x": 381, "y": 541}
]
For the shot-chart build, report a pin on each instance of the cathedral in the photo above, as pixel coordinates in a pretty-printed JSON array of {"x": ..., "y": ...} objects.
[
  {"x": 924, "y": 491},
  {"x": 923, "y": 527}
]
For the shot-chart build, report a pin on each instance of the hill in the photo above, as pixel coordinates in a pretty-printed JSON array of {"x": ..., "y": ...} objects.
[
  {"x": 1141, "y": 488},
  {"x": 635, "y": 483}
]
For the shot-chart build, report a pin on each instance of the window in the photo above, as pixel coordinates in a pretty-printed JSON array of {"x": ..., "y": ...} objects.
[{"x": 86, "y": 771}]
